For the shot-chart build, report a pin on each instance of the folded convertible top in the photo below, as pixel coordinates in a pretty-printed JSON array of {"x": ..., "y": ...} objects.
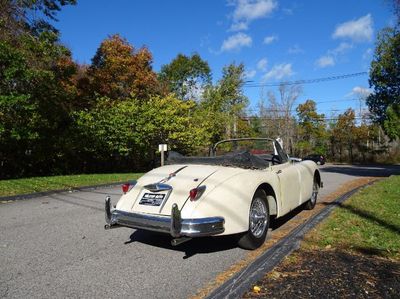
[{"x": 242, "y": 159}]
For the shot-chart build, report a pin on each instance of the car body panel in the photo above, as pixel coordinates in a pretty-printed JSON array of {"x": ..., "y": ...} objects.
[
  {"x": 224, "y": 195},
  {"x": 228, "y": 191}
]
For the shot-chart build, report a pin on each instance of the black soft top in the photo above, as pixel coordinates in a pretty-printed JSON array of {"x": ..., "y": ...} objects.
[{"x": 242, "y": 159}]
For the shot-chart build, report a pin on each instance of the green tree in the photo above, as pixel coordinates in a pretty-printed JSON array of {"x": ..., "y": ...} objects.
[
  {"x": 36, "y": 88},
  {"x": 392, "y": 123},
  {"x": 311, "y": 129},
  {"x": 127, "y": 133},
  {"x": 186, "y": 76},
  {"x": 384, "y": 75},
  {"x": 225, "y": 102},
  {"x": 343, "y": 133}
]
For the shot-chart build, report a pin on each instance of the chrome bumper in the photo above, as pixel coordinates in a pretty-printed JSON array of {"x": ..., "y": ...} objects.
[{"x": 173, "y": 225}]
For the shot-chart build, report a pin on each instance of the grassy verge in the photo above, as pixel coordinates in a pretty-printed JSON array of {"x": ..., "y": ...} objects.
[
  {"x": 66, "y": 182},
  {"x": 355, "y": 252},
  {"x": 367, "y": 223}
]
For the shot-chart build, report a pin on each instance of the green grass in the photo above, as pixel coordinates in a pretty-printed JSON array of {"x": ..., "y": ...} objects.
[
  {"x": 66, "y": 182},
  {"x": 368, "y": 222}
]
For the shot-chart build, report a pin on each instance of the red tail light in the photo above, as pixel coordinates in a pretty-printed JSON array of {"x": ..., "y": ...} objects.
[
  {"x": 125, "y": 187},
  {"x": 193, "y": 194}
]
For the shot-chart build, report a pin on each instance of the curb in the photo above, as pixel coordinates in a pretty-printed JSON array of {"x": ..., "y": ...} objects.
[
  {"x": 46, "y": 193},
  {"x": 242, "y": 281}
]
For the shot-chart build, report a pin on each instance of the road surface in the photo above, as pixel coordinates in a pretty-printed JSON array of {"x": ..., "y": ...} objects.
[{"x": 55, "y": 247}]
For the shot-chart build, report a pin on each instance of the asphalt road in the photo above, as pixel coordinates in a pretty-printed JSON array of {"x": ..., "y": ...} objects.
[{"x": 56, "y": 247}]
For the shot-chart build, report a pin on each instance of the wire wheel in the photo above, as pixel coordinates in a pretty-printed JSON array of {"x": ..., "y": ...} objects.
[
  {"x": 310, "y": 204},
  {"x": 314, "y": 194},
  {"x": 258, "y": 222},
  {"x": 258, "y": 217}
]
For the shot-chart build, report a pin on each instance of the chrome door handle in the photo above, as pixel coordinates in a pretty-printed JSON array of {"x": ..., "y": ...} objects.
[{"x": 279, "y": 171}]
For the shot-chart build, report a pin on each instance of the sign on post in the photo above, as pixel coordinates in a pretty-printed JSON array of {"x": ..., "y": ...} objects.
[{"x": 162, "y": 148}]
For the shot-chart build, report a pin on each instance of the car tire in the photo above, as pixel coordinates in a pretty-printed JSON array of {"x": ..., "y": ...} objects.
[
  {"x": 259, "y": 220},
  {"x": 310, "y": 204}
]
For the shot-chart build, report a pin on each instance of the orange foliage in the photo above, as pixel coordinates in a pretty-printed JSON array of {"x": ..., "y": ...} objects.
[{"x": 118, "y": 70}]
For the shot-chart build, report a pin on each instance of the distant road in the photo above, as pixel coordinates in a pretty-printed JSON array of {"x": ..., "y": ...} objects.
[{"x": 56, "y": 247}]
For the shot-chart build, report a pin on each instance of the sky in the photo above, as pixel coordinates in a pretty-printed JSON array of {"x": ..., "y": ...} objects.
[{"x": 276, "y": 40}]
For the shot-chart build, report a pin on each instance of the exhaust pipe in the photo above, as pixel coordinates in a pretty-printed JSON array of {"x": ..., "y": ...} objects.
[{"x": 178, "y": 241}]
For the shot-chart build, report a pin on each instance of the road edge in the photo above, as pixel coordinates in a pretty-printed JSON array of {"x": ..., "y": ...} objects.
[
  {"x": 50, "y": 192},
  {"x": 242, "y": 281}
]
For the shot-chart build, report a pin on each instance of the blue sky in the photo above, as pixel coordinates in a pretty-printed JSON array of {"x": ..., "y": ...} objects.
[{"x": 276, "y": 40}]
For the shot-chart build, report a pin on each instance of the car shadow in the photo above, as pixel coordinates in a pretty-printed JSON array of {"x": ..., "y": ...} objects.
[
  {"x": 201, "y": 245},
  {"x": 276, "y": 223},
  {"x": 363, "y": 170}
]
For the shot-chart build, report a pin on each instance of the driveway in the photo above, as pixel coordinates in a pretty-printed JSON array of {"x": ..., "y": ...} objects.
[{"x": 55, "y": 246}]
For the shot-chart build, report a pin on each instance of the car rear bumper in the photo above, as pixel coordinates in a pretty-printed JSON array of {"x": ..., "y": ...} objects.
[{"x": 173, "y": 225}]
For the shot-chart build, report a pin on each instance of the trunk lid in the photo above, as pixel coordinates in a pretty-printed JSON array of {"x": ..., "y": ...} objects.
[{"x": 159, "y": 189}]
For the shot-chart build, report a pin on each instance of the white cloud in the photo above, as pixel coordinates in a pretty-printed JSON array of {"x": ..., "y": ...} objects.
[
  {"x": 262, "y": 64},
  {"x": 295, "y": 50},
  {"x": 359, "y": 30},
  {"x": 270, "y": 39},
  {"x": 249, "y": 10},
  {"x": 362, "y": 92},
  {"x": 237, "y": 41},
  {"x": 249, "y": 74},
  {"x": 240, "y": 26},
  {"x": 325, "y": 61},
  {"x": 341, "y": 49},
  {"x": 279, "y": 72},
  {"x": 332, "y": 56}
]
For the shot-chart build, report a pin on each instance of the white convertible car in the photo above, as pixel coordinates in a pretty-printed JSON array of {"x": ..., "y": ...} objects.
[{"x": 236, "y": 190}]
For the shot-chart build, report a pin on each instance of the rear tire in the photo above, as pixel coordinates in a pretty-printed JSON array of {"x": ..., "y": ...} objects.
[
  {"x": 259, "y": 220},
  {"x": 310, "y": 204}
]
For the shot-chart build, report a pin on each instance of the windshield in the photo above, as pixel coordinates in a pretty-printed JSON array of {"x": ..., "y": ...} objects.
[{"x": 255, "y": 146}]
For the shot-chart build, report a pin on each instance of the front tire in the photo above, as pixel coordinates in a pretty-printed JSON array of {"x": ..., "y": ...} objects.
[
  {"x": 259, "y": 220},
  {"x": 310, "y": 204}
]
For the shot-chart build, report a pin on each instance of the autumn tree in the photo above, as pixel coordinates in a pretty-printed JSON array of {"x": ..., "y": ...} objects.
[
  {"x": 186, "y": 76},
  {"x": 118, "y": 70}
]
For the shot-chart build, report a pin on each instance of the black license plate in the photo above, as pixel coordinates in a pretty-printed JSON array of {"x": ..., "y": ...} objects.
[{"x": 152, "y": 199}]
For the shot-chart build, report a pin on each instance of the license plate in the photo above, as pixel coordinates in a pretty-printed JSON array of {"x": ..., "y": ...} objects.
[{"x": 152, "y": 199}]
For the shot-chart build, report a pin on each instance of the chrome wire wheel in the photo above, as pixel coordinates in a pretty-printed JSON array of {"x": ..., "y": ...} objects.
[
  {"x": 314, "y": 194},
  {"x": 258, "y": 217}
]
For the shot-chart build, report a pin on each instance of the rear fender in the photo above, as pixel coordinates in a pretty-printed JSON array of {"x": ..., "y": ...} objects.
[{"x": 231, "y": 199}]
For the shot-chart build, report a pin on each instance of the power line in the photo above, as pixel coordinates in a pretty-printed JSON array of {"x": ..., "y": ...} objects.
[
  {"x": 306, "y": 81},
  {"x": 284, "y": 118}
]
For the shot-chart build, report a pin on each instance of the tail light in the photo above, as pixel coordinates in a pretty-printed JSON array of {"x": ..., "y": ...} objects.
[
  {"x": 195, "y": 193},
  {"x": 125, "y": 187}
]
